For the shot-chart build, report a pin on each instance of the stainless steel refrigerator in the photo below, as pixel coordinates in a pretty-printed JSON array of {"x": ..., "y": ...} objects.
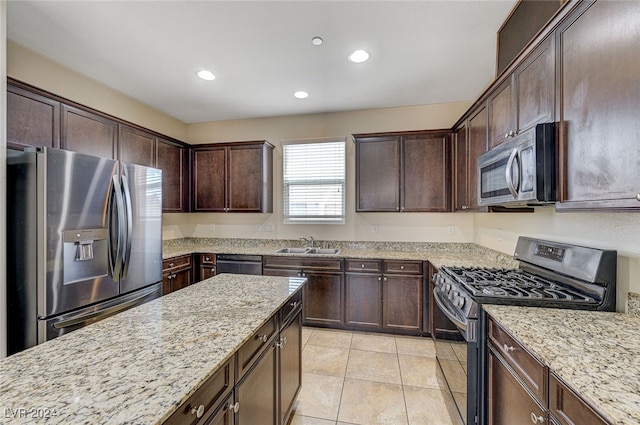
[{"x": 84, "y": 241}]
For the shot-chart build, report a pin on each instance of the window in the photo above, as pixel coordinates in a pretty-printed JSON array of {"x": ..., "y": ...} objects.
[{"x": 314, "y": 175}]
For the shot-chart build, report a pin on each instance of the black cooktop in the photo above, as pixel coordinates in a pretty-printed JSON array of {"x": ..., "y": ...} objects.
[{"x": 514, "y": 283}]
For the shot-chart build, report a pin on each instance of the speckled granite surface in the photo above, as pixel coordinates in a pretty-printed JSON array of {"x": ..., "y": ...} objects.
[
  {"x": 439, "y": 254},
  {"x": 597, "y": 354},
  {"x": 633, "y": 303},
  {"x": 138, "y": 366}
]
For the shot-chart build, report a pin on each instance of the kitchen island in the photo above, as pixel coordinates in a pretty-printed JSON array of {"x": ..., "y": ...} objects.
[
  {"x": 139, "y": 366},
  {"x": 594, "y": 353}
]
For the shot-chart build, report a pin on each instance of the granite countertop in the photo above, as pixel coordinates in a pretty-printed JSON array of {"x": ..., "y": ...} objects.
[
  {"x": 138, "y": 366},
  {"x": 596, "y": 353},
  {"x": 438, "y": 254}
]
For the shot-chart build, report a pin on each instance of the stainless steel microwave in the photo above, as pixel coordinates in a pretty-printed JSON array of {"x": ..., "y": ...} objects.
[{"x": 521, "y": 171}]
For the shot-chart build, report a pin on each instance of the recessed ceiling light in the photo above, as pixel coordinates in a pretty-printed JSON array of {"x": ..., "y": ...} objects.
[
  {"x": 316, "y": 41},
  {"x": 300, "y": 94},
  {"x": 359, "y": 56},
  {"x": 206, "y": 75}
]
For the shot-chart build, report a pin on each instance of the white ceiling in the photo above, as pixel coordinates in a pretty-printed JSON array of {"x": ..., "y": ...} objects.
[{"x": 422, "y": 52}]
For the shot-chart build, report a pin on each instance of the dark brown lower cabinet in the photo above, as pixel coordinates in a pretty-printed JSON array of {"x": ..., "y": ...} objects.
[
  {"x": 363, "y": 300},
  {"x": 509, "y": 402},
  {"x": 225, "y": 413},
  {"x": 256, "y": 394},
  {"x": 177, "y": 273},
  {"x": 290, "y": 366},
  {"x": 402, "y": 303},
  {"x": 567, "y": 408}
]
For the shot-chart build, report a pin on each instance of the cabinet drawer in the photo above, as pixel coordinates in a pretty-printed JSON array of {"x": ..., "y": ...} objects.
[
  {"x": 294, "y": 304},
  {"x": 303, "y": 263},
  {"x": 209, "y": 396},
  {"x": 183, "y": 261},
  {"x": 207, "y": 259},
  {"x": 568, "y": 408},
  {"x": 250, "y": 351},
  {"x": 529, "y": 369},
  {"x": 403, "y": 267},
  {"x": 355, "y": 265}
]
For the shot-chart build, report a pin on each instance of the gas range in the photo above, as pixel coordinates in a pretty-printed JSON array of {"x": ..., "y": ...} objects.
[{"x": 549, "y": 274}]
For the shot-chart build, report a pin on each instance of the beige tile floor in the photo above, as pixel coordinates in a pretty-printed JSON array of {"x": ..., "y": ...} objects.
[{"x": 367, "y": 379}]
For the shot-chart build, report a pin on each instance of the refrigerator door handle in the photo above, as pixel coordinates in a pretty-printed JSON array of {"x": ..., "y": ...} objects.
[
  {"x": 115, "y": 262},
  {"x": 129, "y": 229},
  {"x": 102, "y": 314}
]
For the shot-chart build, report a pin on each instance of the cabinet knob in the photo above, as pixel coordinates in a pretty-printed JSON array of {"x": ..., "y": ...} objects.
[
  {"x": 262, "y": 338},
  {"x": 506, "y": 135},
  {"x": 397, "y": 208},
  {"x": 511, "y": 133},
  {"x": 384, "y": 278},
  {"x": 379, "y": 278},
  {"x": 508, "y": 348},
  {"x": 638, "y": 197},
  {"x": 198, "y": 411},
  {"x": 464, "y": 207},
  {"x": 235, "y": 407},
  {"x": 207, "y": 259},
  {"x": 401, "y": 267},
  {"x": 536, "y": 419},
  {"x": 362, "y": 265},
  {"x": 294, "y": 304},
  {"x": 170, "y": 264}
]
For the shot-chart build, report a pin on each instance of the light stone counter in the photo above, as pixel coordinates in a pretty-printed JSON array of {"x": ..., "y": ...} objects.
[
  {"x": 438, "y": 254},
  {"x": 596, "y": 353},
  {"x": 138, "y": 366}
]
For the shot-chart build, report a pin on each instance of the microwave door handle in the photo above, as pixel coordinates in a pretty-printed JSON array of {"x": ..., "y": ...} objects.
[{"x": 508, "y": 174}]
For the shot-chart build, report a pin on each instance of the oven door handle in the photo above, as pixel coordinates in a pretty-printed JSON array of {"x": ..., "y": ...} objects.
[
  {"x": 447, "y": 312},
  {"x": 509, "y": 176}
]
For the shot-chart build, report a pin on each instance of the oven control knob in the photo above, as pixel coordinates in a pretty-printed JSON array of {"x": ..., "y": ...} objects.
[
  {"x": 447, "y": 287},
  {"x": 459, "y": 301}
]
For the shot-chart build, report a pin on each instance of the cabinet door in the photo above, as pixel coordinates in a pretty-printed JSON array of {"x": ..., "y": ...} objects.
[
  {"x": 363, "y": 300},
  {"x": 378, "y": 174},
  {"x": 32, "y": 120},
  {"x": 209, "y": 174},
  {"x": 172, "y": 160},
  {"x": 402, "y": 303},
  {"x": 477, "y": 146},
  {"x": 290, "y": 366},
  {"x": 322, "y": 299},
  {"x": 508, "y": 402},
  {"x": 501, "y": 114},
  {"x": 256, "y": 393},
  {"x": 535, "y": 87},
  {"x": 245, "y": 184},
  {"x": 426, "y": 173},
  {"x": 137, "y": 146},
  {"x": 181, "y": 279},
  {"x": 599, "y": 94},
  {"x": 461, "y": 169},
  {"x": 89, "y": 133},
  {"x": 166, "y": 283},
  {"x": 207, "y": 271},
  {"x": 224, "y": 415}
]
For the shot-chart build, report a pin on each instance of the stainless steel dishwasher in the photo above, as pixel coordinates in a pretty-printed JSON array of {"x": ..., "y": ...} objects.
[{"x": 238, "y": 264}]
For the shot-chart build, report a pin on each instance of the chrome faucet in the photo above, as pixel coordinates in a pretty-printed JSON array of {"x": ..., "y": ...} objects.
[{"x": 309, "y": 240}]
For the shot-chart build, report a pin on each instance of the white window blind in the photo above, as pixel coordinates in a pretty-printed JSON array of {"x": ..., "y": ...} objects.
[{"x": 314, "y": 181}]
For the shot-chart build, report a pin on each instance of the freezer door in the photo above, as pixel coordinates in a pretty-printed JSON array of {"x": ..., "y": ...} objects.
[
  {"x": 73, "y": 250},
  {"x": 142, "y": 188}
]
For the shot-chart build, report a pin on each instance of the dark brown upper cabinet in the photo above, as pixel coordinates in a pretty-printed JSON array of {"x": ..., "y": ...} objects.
[
  {"x": 599, "y": 94},
  {"x": 173, "y": 160},
  {"x": 32, "y": 119},
  {"x": 470, "y": 141},
  {"x": 403, "y": 172},
  {"x": 137, "y": 146},
  {"x": 87, "y": 132},
  {"x": 526, "y": 97},
  {"x": 233, "y": 177}
]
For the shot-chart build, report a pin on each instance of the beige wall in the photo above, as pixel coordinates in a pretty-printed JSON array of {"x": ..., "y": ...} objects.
[
  {"x": 31, "y": 68},
  {"x": 398, "y": 227}
]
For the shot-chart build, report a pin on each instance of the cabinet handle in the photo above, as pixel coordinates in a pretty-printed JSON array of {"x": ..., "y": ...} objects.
[
  {"x": 198, "y": 411},
  {"x": 536, "y": 419},
  {"x": 508, "y": 349},
  {"x": 235, "y": 407},
  {"x": 263, "y": 338}
]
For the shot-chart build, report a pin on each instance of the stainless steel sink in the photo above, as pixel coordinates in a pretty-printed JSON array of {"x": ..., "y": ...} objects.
[
  {"x": 292, "y": 251},
  {"x": 311, "y": 251},
  {"x": 321, "y": 251}
]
